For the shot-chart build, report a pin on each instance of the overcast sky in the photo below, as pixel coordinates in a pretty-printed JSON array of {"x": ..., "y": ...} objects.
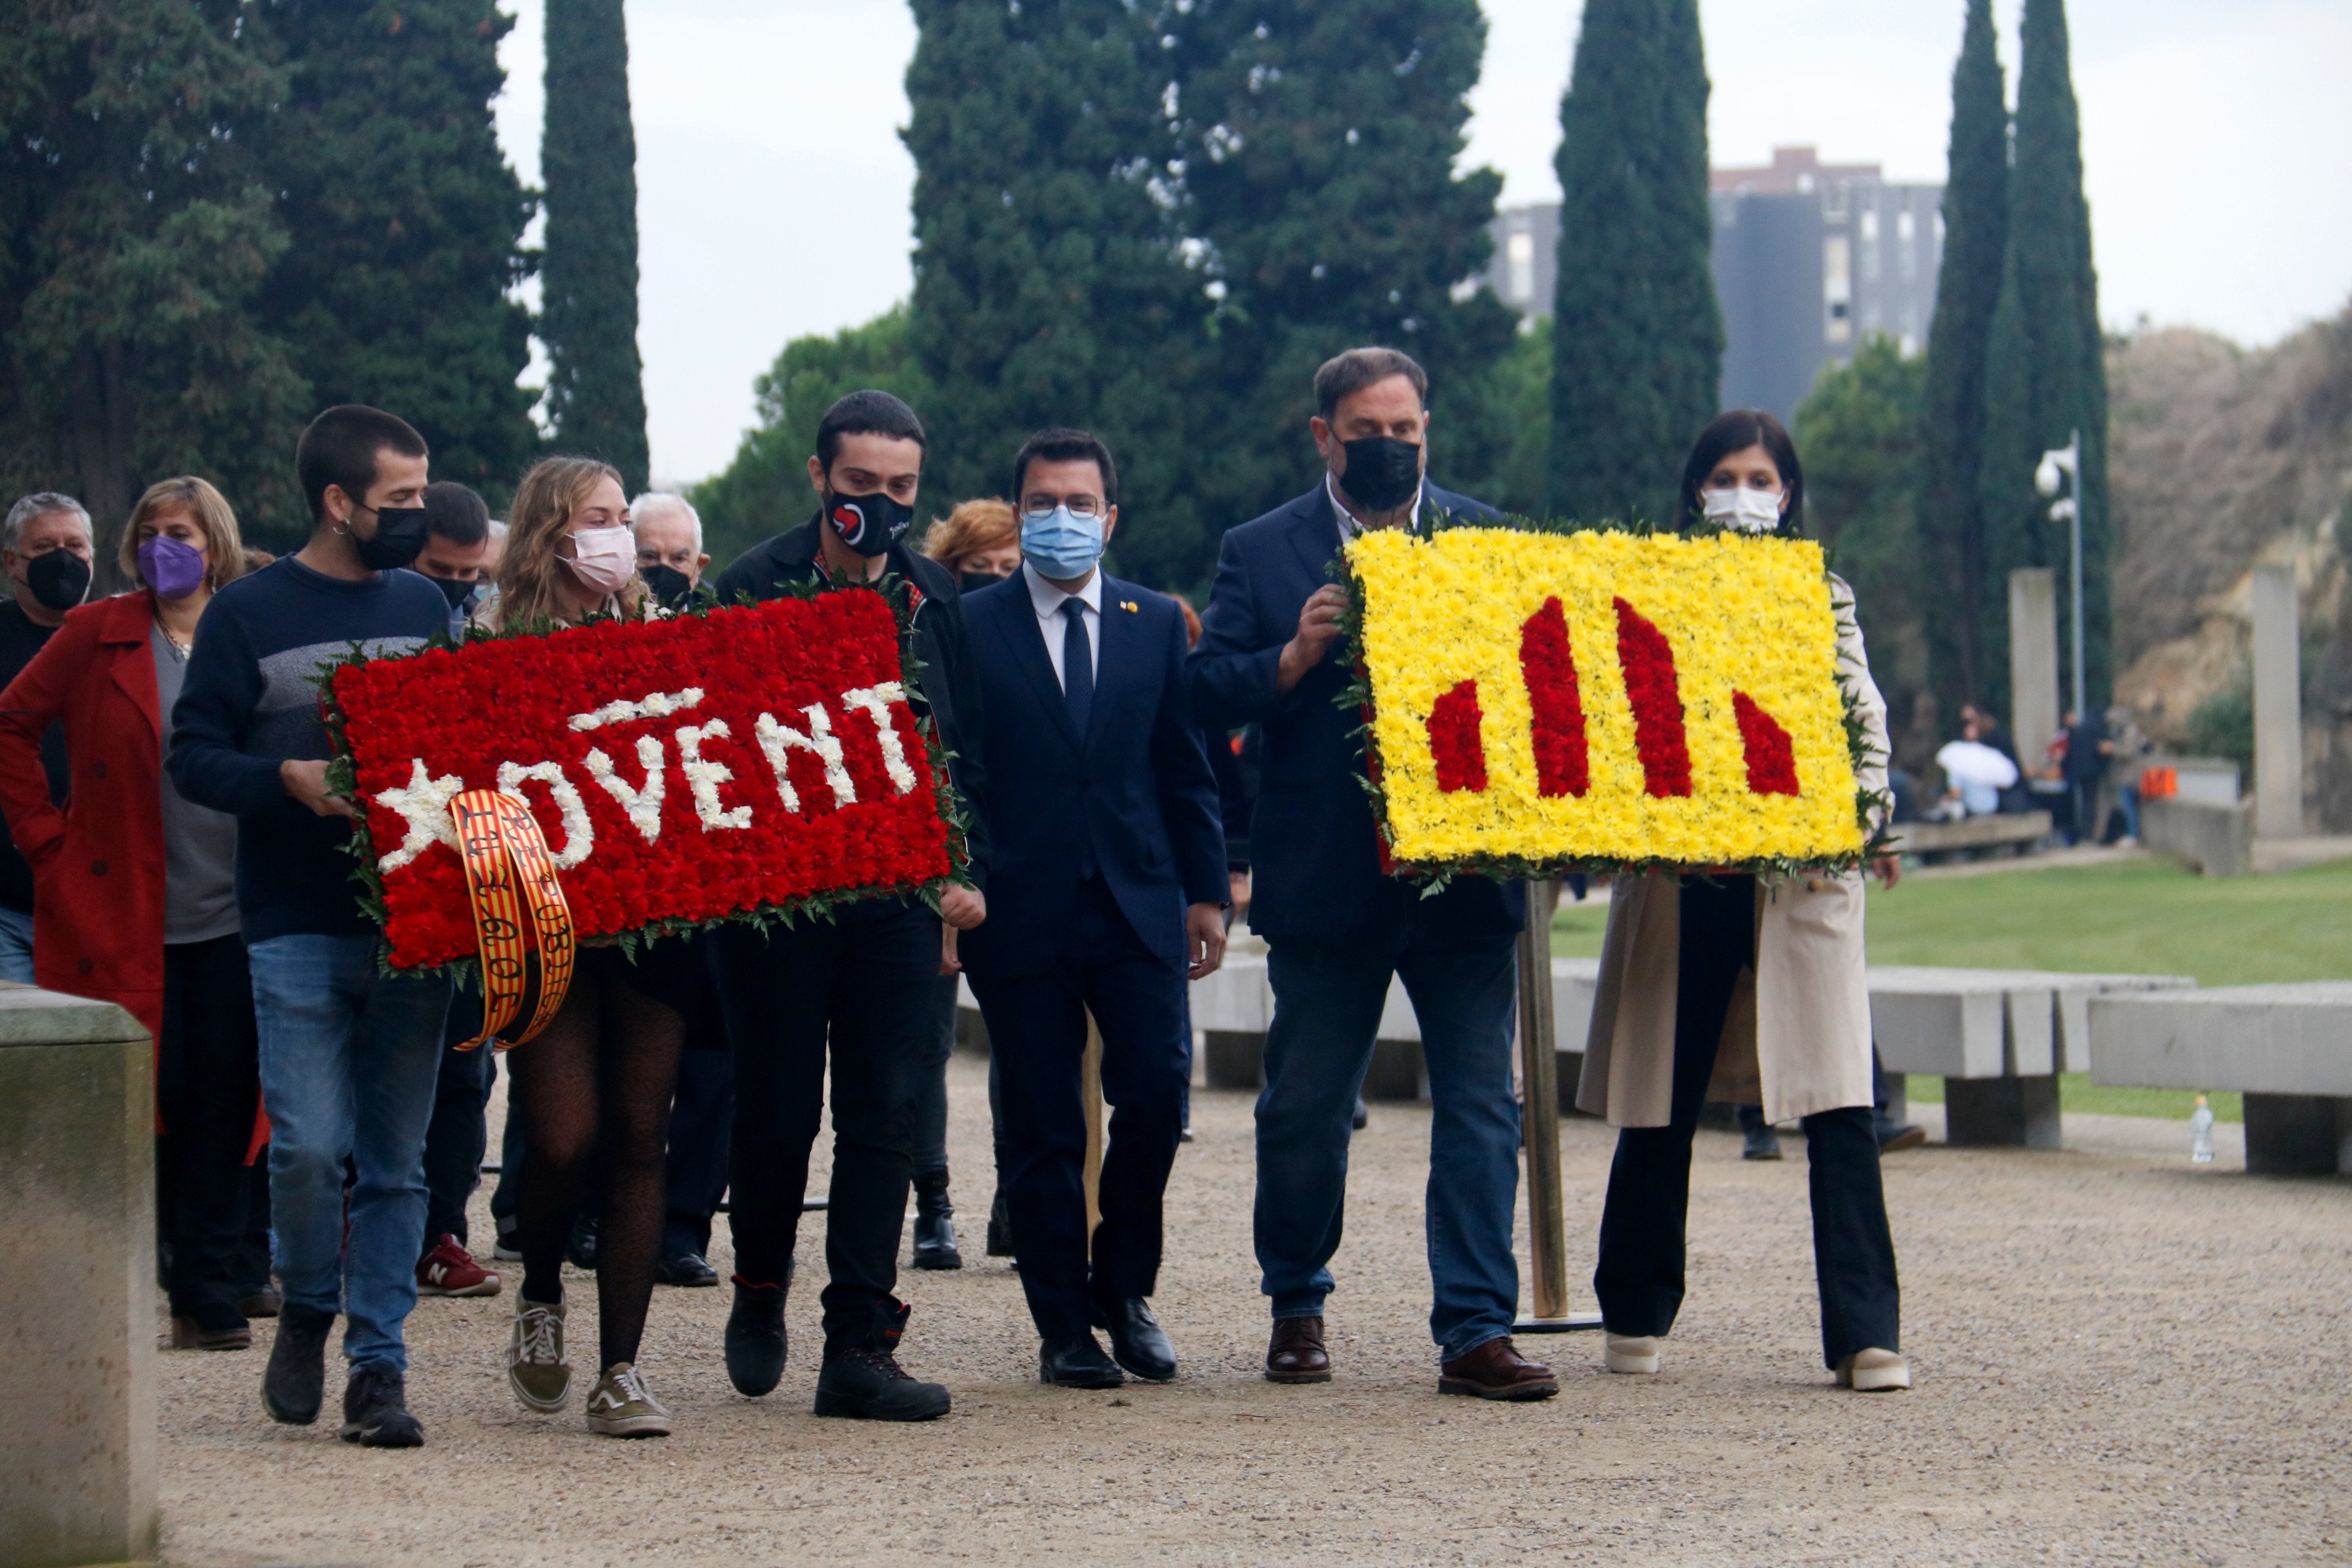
[{"x": 773, "y": 187}]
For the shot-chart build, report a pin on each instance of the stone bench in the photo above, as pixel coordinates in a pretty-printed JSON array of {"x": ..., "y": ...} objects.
[
  {"x": 2020, "y": 831},
  {"x": 78, "y": 1298},
  {"x": 2287, "y": 1048},
  {"x": 1998, "y": 1037}
]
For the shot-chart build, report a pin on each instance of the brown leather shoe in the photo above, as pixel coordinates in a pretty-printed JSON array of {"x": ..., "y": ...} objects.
[
  {"x": 1295, "y": 1353},
  {"x": 1496, "y": 1370}
]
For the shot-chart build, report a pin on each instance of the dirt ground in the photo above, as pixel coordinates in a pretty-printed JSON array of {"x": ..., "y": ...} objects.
[{"x": 2121, "y": 1358}]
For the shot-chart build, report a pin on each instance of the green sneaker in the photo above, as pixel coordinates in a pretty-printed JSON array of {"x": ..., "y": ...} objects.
[
  {"x": 535, "y": 1364},
  {"x": 621, "y": 1409}
]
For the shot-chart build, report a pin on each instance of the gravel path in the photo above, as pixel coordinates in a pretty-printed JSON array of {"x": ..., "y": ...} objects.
[{"x": 2122, "y": 1359}]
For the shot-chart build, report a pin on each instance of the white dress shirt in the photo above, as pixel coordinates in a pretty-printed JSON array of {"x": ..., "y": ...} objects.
[
  {"x": 1350, "y": 524},
  {"x": 1048, "y": 600}
]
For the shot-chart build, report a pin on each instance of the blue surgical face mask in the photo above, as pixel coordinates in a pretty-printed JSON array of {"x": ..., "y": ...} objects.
[{"x": 1060, "y": 545}]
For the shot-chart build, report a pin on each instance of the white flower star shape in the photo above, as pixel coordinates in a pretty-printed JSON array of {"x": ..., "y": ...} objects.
[{"x": 423, "y": 804}]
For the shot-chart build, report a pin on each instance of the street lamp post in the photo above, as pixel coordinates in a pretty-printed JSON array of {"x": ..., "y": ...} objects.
[{"x": 2062, "y": 468}]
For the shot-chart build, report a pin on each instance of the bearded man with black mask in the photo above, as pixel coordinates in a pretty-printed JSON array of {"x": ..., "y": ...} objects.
[
  {"x": 1271, "y": 654},
  {"x": 861, "y": 982}
]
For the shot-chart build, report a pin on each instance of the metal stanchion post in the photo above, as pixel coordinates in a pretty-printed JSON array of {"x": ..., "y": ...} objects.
[{"x": 1539, "y": 1126}]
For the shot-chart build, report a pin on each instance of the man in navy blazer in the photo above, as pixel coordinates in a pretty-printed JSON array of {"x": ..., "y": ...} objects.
[
  {"x": 1106, "y": 887},
  {"x": 1337, "y": 928}
]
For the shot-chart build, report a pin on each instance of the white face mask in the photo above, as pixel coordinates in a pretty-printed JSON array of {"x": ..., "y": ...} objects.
[{"x": 1745, "y": 510}]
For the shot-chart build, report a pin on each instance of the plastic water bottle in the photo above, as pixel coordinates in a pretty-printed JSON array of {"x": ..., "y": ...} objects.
[{"x": 2200, "y": 1133}]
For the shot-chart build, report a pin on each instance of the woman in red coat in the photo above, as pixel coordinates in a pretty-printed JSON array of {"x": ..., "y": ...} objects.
[{"x": 134, "y": 897}]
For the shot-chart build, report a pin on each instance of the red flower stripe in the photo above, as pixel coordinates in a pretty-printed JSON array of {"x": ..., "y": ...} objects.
[
  {"x": 1656, "y": 695},
  {"x": 1772, "y": 756},
  {"x": 668, "y": 811},
  {"x": 1549, "y": 669},
  {"x": 1455, "y": 742}
]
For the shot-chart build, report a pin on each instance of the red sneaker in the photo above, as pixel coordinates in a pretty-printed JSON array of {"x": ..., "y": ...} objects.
[{"x": 450, "y": 1270}]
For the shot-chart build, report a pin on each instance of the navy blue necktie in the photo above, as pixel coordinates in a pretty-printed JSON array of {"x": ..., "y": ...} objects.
[{"x": 1078, "y": 666}]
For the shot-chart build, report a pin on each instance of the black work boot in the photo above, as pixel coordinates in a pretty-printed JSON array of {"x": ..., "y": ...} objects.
[
  {"x": 755, "y": 1337},
  {"x": 863, "y": 1379},
  {"x": 375, "y": 1411},
  {"x": 935, "y": 1237},
  {"x": 294, "y": 1384}
]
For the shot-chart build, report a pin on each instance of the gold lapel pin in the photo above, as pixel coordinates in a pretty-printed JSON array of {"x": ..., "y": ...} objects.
[{"x": 1127, "y": 604}]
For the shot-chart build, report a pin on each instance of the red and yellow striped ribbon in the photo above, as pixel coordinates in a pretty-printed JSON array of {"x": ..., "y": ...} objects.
[{"x": 511, "y": 879}]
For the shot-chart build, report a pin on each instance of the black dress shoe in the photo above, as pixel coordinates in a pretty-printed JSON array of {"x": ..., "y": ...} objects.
[
  {"x": 755, "y": 1337},
  {"x": 1137, "y": 1340},
  {"x": 689, "y": 1268},
  {"x": 1077, "y": 1362}
]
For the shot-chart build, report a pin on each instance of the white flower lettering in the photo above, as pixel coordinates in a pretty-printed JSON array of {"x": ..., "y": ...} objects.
[
  {"x": 875, "y": 702},
  {"x": 653, "y": 705},
  {"x": 642, "y": 803},
  {"x": 704, "y": 777},
  {"x": 779, "y": 741},
  {"x": 579, "y": 831},
  {"x": 423, "y": 804}
]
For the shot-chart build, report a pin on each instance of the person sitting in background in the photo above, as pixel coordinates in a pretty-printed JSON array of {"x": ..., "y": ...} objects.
[
  {"x": 979, "y": 542},
  {"x": 671, "y": 557},
  {"x": 136, "y": 886},
  {"x": 45, "y": 550},
  {"x": 457, "y": 547}
]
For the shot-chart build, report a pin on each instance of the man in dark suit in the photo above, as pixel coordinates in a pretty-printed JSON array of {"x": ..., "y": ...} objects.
[
  {"x": 1337, "y": 928},
  {"x": 857, "y": 987},
  {"x": 1107, "y": 886}
]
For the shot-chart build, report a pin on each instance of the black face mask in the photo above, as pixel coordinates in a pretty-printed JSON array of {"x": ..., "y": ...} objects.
[
  {"x": 59, "y": 579},
  {"x": 1382, "y": 472},
  {"x": 671, "y": 587},
  {"x": 460, "y": 594},
  {"x": 867, "y": 524},
  {"x": 973, "y": 582},
  {"x": 398, "y": 540}
]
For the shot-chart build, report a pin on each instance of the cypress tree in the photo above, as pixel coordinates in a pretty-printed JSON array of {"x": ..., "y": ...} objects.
[
  {"x": 1950, "y": 504},
  {"x": 1637, "y": 360},
  {"x": 406, "y": 224},
  {"x": 2045, "y": 374},
  {"x": 1048, "y": 285},
  {"x": 136, "y": 229},
  {"x": 596, "y": 385},
  {"x": 1319, "y": 144}
]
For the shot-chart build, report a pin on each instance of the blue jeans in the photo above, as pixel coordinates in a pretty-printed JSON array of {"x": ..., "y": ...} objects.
[
  {"x": 350, "y": 1061},
  {"x": 1326, "y": 1008},
  {"x": 16, "y": 946}
]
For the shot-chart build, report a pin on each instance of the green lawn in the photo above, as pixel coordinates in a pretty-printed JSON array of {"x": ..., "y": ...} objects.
[{"x": 2146, "y": 918}]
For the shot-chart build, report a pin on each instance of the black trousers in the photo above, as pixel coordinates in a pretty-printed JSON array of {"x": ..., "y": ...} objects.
[
  {"x": 932, "y": 1082},
  {"x": 209, "y": 1069},
  {"x": 1037, "y": 1032},
  {"x": 458, "y": 1135},
  {"x": 861, "y": 984},
  {"x": 1640, "y": 1276},
  {"x": 701, "y": 1136}
]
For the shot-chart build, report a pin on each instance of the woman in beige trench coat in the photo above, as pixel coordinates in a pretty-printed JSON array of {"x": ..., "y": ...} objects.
[{"x": 1728, "y": 988}]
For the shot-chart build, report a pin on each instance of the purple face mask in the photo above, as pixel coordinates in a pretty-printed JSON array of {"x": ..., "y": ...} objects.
[{"x": 173, "y": 568}]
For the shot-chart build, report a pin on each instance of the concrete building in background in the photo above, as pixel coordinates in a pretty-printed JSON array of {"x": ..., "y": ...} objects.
[{"x": 1809, "y": 260}]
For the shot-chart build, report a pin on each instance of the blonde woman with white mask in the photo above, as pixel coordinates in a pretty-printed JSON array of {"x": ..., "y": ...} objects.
[{"x": 599, "y": 1079}]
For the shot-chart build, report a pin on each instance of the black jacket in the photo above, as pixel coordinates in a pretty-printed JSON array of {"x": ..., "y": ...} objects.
[{"x": 949, "y": 686}]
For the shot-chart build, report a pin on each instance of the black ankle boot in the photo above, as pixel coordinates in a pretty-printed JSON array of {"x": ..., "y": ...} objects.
[
  {"x": 755, "y": 1337},
  {"x": 935, "y": 1237}
]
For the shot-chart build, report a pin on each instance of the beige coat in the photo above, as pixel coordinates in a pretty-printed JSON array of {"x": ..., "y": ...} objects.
[{"x": 1798, "y": 1036}]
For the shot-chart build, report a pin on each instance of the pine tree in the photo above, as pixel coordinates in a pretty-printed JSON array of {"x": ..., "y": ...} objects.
[
  {"x": 135, "y": 232},
  {"x": 1950, "y": 503},
  {"x": 406, "y": 224},
  {"x": 1048, "y": 285},
  {"x": 1320, "y": 142},
  {"x": 1638, "y": 338},
  {"x": 595, "y": 386},
  {"x": 2045, "y": 371}
]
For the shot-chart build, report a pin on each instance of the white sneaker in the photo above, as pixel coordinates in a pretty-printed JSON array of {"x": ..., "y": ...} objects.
[
  {"x": 1874, "y": 1372},
  {"x": 620, "y": 1407},
  {"x": 1630, "y": 1353},
  {"x": 536, "y": 1368}
]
